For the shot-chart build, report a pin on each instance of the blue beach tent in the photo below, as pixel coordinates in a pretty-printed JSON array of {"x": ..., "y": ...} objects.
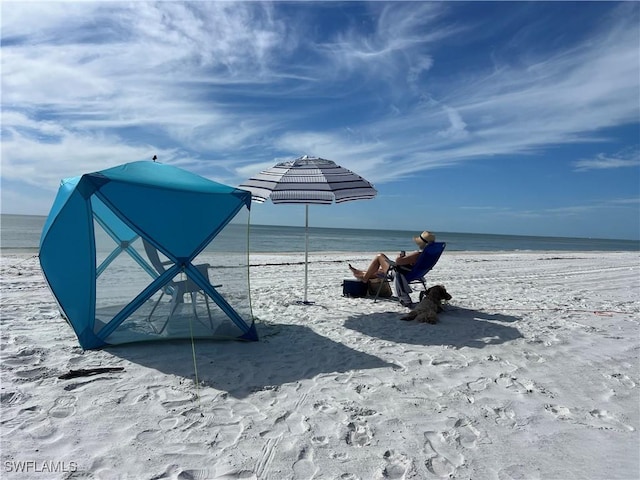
[{"x": 146, "y": 251}]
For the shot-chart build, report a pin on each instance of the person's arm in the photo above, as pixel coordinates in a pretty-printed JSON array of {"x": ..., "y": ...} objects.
[{"x": 409, "y": 259}]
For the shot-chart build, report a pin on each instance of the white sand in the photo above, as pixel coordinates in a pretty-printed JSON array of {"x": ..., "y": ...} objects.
[{"x": 532, "y": 373}]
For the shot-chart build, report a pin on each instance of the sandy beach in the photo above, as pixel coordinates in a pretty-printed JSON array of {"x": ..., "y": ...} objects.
[{"x": 531, "y": 373}]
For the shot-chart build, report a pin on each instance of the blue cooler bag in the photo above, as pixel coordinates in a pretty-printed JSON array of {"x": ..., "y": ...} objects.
[{"x": 354, "y": 289}]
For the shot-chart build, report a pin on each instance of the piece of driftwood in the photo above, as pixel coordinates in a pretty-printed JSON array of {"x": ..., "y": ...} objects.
[{"x": 87, "y": 372}]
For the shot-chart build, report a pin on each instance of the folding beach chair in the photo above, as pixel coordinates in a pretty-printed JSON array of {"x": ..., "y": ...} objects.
[
  {"x": 403, "y": 277},
  {"x": 177, "y": 289}
]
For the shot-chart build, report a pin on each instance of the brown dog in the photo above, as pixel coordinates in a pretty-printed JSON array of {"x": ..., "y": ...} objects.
[{"x": 430, "y": 304}]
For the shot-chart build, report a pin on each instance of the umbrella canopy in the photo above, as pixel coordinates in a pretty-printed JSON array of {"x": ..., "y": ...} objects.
[{"x": 308, "y": 180}]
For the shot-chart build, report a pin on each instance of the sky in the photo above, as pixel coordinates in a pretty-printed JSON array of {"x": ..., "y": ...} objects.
[{"x": 477, "y": 117}]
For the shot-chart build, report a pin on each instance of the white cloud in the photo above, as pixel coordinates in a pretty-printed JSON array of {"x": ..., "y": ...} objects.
[
  {"x": 563, "y": 211},
  {"x": 625, "y": 201},
  {"x": 457, "y": 127},
  {"x": 28, "y": 159},
  {"x": 391, "y": 47},
  {"x": 605, "y": 162}
]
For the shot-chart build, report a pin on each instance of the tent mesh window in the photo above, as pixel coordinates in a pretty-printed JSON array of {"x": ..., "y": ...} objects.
[{"x": 180, "y": 306}]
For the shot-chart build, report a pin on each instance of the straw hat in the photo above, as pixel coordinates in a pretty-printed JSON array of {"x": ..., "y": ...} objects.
[{"x": 424, "y": 239}]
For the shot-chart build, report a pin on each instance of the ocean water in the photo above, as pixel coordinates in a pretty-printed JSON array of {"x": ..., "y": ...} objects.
[{"x": 22, "y": 233}]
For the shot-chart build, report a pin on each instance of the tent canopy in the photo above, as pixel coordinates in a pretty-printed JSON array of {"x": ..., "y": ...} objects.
[{"x": 94, "y": 252}]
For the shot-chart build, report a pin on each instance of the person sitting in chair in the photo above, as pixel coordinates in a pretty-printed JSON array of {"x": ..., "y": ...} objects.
[{"x": 381, "y": 263}]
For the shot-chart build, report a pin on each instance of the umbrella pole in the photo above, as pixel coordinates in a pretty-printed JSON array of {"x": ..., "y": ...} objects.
[{"x": 306, "y": 250}]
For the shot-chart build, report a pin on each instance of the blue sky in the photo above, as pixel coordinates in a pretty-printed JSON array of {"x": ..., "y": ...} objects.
[{"x": 505, "y": 117}]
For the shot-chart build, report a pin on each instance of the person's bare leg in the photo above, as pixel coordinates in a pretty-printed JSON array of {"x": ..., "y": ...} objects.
[
  {"x": 356, "y": 272},
  {"x": 380, "y": 264}
]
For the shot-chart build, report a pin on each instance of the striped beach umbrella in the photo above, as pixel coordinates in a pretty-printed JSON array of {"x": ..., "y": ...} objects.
[{"x": 309, "y": 181}]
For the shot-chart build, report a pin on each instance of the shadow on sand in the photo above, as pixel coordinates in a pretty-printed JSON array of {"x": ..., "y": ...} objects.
[
  {"x": 458, "y": 327},
  {"x": 285, "y": 354}
]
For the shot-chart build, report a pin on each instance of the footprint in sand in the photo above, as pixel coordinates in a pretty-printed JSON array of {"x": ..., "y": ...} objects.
[
  {"x": 467, "y": 434},
  {"x": 171, "y": 397},
  {"x": 449, "y": 359},
  {"x": 304, "y": 466},
  {"x": 558, "y": 411},
  {"x": 324, "y": 407},
  {"x": 519, "y": 385},
  {"x": 398, "y": 465},
  {"x": 595, "y": 418},
  {"x": 25, "y": 357},
  {"x": 319, "y": 440},
  {"x": 289, "y": 422},
  {"x": 606, "y": 420},
  {"x": 173, "y": 472},
  {"x": 225, "y": 436},
  {"x": 149, "y": 436},
  {"x": 42, "y": 429},
  {"x": 32, "y": 374},
  {"x": 505, "y": 364},
  {"x": 533, "y": 357},
  {"x": 623, "y": 379},
  {"x": 169, "y": 423},
  {"x": 504, "y": 416},
  {"x": 340, "y": 456},
  {"x": 507, "y": 381},
  {"x": 479, "y": 384},
  {"x": 63, "y": 407},
  {"x": 99, "y": 468},
  {"x": 198, "y": 418},
  {"x": 23, "y": 418},
  {"x": 358, "y": 434},
  {"x": 442, "y": 459}
]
